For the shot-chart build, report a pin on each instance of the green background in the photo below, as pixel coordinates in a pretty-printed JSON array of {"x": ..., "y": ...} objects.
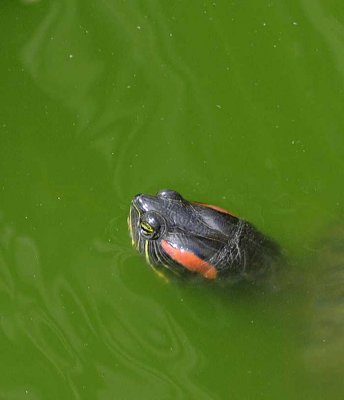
[{"x": 234, "y": 103}]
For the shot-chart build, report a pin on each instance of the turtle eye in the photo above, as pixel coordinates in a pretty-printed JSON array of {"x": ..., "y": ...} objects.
[
  {"x": 147, "y": 229},
  {"x": 169, "y": 194},
  {"x": 150, "y": 225}
]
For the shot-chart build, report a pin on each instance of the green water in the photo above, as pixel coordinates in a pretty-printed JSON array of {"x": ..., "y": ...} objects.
[{"x": 238, "y": 104}]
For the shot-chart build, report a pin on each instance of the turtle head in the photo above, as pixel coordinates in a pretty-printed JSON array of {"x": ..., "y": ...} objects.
[{"x": 185, "y": 237}]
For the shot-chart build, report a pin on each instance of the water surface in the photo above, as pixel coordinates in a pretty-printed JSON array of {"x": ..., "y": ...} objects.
[{"x": 230, "y": 103}]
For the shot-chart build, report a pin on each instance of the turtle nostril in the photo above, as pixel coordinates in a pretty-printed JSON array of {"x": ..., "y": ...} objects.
[
  {"x": 139, "y": 202},
  {"x": 136, "y": 200},
  {"x": 137, "y": 196}
]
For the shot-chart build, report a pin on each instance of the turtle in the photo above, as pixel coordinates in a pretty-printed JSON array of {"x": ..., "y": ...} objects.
[
  {"x": 194, "y": 239},
  {"x": 197, "y": 240}
]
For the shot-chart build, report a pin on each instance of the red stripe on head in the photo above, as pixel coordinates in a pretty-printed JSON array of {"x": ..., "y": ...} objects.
[
  {"x": 216, "y": 208},
  {"x": 190, "y": 261}
]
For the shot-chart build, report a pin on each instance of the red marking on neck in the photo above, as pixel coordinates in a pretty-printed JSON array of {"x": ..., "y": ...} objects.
[
  {"x": 216, "y": 208},
  {"x": 190, "y": 261}
]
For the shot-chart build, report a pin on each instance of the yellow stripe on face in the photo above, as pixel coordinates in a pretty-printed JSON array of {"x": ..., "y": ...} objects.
[
  {"x": 138, "y": 218},
  {"x": 146, "y": 253},
  {"x": 159, "y": 273},
  {"x": 131, "y": 228}
]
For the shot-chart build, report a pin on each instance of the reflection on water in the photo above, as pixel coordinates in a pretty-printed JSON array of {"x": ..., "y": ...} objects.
[
  {"x": 325, "y": 351},
  {"x": 78, "y": 326},
  {"x": 64, "y": 60},
  {"x": 57, "y": 58}
]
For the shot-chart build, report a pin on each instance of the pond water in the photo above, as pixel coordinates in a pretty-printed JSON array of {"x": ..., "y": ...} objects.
[{"x": 238, "y": 104}]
